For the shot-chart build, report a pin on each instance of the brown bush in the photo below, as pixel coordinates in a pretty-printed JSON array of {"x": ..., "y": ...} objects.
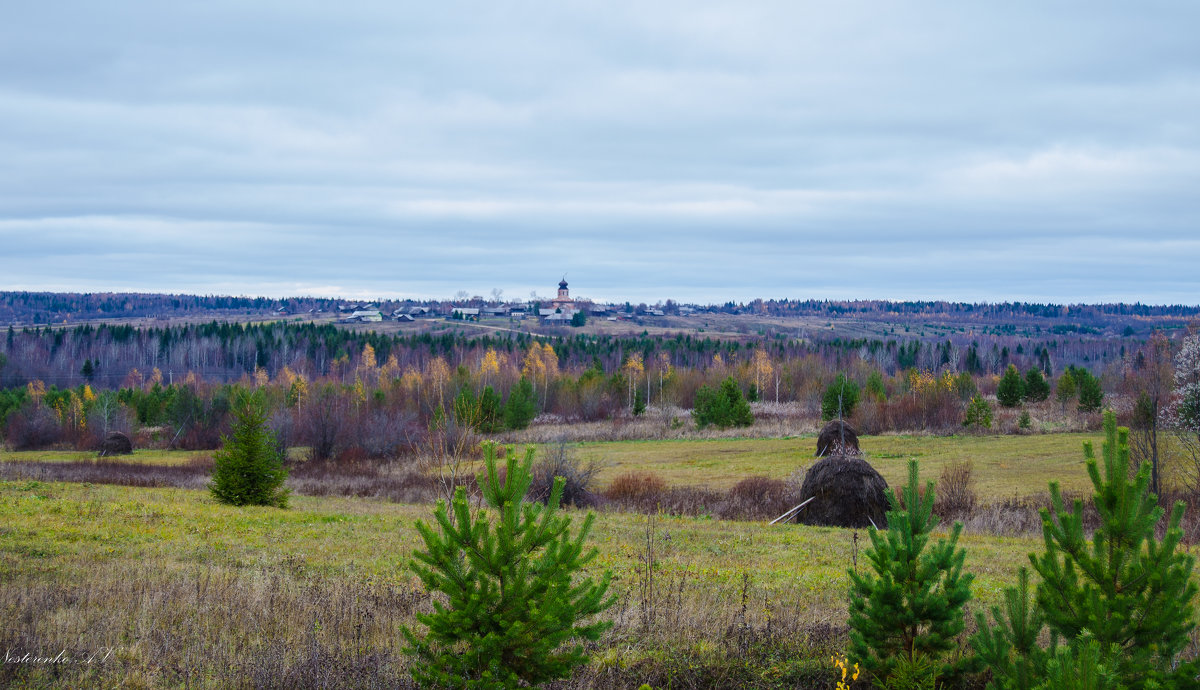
[
  {"x": 560, "y": 461},
  {"x": 937, "y": 411},
  {"x": 758, "y": 498},
  {"x": 954, "y": 495},
  {"x": 632, "y": 487},
  {"x": 193, "y": 475},
  {"x": 33, "y": 427}
]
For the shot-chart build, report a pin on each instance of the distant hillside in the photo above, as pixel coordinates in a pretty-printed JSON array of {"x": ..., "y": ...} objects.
[{"x": 30, "y": 308}]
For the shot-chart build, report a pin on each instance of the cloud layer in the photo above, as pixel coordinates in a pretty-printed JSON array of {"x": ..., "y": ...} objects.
[{"x": 650, "y": 150}]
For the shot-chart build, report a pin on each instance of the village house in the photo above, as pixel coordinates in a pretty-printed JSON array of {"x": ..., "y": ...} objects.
[{"x": 364, "y": 316}]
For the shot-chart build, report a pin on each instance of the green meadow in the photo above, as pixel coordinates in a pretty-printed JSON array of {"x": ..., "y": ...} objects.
[{"x": 180, "y": 591}]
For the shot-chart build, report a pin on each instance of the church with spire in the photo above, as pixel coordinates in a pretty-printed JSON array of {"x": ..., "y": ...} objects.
[
  {"x": 561, "y": 308},
  {"x": 563, "y": 302}
]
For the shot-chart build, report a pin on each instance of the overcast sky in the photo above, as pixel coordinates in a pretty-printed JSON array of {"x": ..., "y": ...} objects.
[{"x": 1043, "y": 151}]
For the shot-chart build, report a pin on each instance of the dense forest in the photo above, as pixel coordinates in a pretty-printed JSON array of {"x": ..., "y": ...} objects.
[{"x": 335, "y": 389}]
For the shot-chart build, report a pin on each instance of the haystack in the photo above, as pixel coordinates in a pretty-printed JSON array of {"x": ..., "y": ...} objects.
[
  {"x": 829, "y": 442},
  {"x": 116, "y": 443},
  {"x": 846, "y": 492}
]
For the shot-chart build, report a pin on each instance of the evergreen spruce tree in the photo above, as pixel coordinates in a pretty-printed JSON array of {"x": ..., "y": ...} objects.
[
  {"x": 840, "y": 398},
  {"x": 1127, "y": 590},
  {"x": 489, "y": 411},
  {"x": 639, "y": 403},
  {"x": 248, "y": 468},
  {"x": 514, "y": 616},
  {"x": 710, "y": 408},
  {"x": 739, "y": 410},
  {"x": 1037, "y": 388},
  {"x": 1091, "y": 396},
  {"x": 722, "y": 408},
  {"x": 1011, "y": 390},
  {"x": 907, "y": 609},
  {"x": 521, "y": 407}
]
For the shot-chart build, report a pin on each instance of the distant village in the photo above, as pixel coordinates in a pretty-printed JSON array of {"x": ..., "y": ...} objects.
[{"x": 563, "y": 310}]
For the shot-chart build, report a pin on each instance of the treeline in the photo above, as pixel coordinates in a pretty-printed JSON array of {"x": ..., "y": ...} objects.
[
  {"x": 110, "y": 356},
  {"x": 985, "y": 311},
  {"x": 436, "y": 395}
]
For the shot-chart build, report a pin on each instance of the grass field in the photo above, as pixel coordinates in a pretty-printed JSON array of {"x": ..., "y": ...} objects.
[
  {"x": 190, "y": 593},
  {"x": 85, "y": 567},
  {"x": 1004, "y": 466}
]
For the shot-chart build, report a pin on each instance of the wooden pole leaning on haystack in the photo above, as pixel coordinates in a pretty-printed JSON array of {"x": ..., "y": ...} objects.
[{"x": 791, "y": 512}]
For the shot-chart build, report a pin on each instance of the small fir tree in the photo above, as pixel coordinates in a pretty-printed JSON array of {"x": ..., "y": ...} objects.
[
  {"x": 979, "y": 414},
  {"x": 515, "y": 612},
  {"x": 1091, "y": 395},
  {"x": 639, "y": 403},
  {"x": 248, "y": 468},
  {"x": 875, "y": 387},
  {"x": 907, "y": 610},
  {"x": 489, "y": 411},
  {"x": 1066, "y": 390},
  {"x": 1011, "y": 390},
  {"x": 739, "y": 409},
  {"x": 521, "y": 407},
  {"x": 710, "y": 408},
  {"x": 1037, "y": 388},
  {"x": 840, "y": 398},
  {"x": 722, "y": 408},
  {"x": 1127, "y": 590},
  {"x": 1025, "y": 421},
  {"x": 1009, "y": 647}
]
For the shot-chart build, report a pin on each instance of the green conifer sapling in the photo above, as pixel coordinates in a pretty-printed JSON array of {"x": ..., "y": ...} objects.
[{"x": 516, "y": 610}]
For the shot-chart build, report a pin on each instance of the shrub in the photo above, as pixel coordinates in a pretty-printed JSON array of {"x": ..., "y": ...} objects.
[
  {"x": 33, "y": 427},
  {"x": 577, "y": 476},
  {"x": 956, "y": 490},
  {"x": 908, "y": 609},
  {"x": 758, "y": 498},
  {"x": 633, "y": 487},
  {"x": 248, "y": 468},
  {"x": 840, "y": 398},
  {"x": 513, "y": 614}
]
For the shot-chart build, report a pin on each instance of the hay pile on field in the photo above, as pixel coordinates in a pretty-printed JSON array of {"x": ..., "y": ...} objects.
[
  {"x": 846, "y": 492},
  {"x": 116, "y": 443},
  {"x": 837, "y": 438}
]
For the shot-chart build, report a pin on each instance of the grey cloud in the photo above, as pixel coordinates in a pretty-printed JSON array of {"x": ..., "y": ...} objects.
[{"x": 686, "y": 150}]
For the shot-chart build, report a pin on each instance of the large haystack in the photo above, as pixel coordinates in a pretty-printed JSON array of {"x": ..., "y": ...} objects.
[
  {"x": 846, "y": 492},
  {"x": 116, "y": 443},
  {"x": 830, "y": 441}
]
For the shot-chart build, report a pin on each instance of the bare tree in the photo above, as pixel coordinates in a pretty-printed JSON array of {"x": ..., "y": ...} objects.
[
  {"x": 1183, "y": 414},
  {"x": 1149, "y": 376}
]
